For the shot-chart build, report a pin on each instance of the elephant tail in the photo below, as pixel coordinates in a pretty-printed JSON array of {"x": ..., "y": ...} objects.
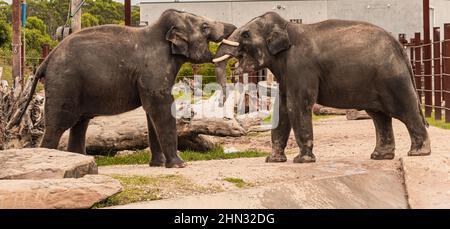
[
  {"x": 40, "y": 73},
  {"x": 411, "y": 74}
]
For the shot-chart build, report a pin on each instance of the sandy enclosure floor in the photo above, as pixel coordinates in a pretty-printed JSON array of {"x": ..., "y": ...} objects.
[{"x": 341, "y": 147}]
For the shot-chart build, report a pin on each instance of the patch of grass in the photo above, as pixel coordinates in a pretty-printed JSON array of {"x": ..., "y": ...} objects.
[
  {"x": 143, "y": 188},
  {"x": 140, "y": 157},
  {"x": 143, "y": 156},
  {"x": 219, "y": 153},
  {"x": 135, "y": 189},
  {"x": 7, "y": 73},
  {"x": 238, "y": 182},
  {"x": 438, "y": 123}
]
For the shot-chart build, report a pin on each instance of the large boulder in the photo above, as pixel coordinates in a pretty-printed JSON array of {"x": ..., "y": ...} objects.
[
  {"x": 41, "y": 163},
  {"x": 57, "y": 193}
]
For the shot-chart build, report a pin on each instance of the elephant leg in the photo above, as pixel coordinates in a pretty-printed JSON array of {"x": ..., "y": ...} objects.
[
  {"x": 52, "y": 135},
  {"x": 420, "y": 142},
  {"x": 55, "y": 126},
  {"x": 158, "y": 158},
  {"x": 280, "y": 134},
  {"x": 159, "y": 109},
  {"x": 385, "y": 145},
  {"x": 77, "y": 136},
  {"x": 300, "y": 115}
]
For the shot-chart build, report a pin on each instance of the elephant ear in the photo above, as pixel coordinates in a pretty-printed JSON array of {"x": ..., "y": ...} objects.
[
  {"x": 178, "y": 42},
  {"x": 278, "y": 41}
]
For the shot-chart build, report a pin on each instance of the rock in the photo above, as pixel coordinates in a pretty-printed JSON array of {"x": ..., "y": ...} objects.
[
  {"x": 376, "y": 189},
  {"x": 427, "y": 181},
  {"x": 231, "y": 150},
  {"x": 40, "y": 163},
  {"x": 57, "y": 193},
  {"x": 322, "y": 110},
  {"x": 356, "y": 115}
]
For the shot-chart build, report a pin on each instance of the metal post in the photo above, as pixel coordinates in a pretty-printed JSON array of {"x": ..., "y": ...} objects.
[
  {"x": 402, "y": 38},
  {"x": 437, "y": 73},
  {"x": 411, "y": 54},
  {"x": 45, "y": 52},
  {"x": 427, "y": 58},
  {"x": 16, "y": 42},
  {"x": 127, "y": 8},
  {"x": 446, "y": 71},
  {"x": 418, "y": 65}
]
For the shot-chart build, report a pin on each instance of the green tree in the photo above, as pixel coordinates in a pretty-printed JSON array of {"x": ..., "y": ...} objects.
[
  {"x": 107, "y": 11},
  {"x": 89, "y": 20},
  {"x": 35, "y": 36},
  {"x": 34, "y": 22},
  {"x": 5, "y": 12},
  {"x": 5, "y": 33},
  {"x": 54, "y": 13},
  {"x": 135, "y": 15}
]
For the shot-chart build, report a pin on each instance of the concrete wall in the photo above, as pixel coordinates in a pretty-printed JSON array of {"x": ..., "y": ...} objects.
[
  {"x": 396, "y": 16},
  {"x": 240, "y": 13}
]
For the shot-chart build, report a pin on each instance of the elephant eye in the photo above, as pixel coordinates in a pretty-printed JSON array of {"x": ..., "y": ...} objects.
[
  {"x": 245, "y": 34},
  {"x": 205, "y": 28}
]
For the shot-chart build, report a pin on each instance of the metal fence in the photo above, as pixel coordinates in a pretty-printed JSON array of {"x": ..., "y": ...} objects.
[{"x": 431, "y": 64}]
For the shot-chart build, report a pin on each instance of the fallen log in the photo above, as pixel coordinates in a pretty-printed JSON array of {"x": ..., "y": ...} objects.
[{"x": 357, "y": 115}]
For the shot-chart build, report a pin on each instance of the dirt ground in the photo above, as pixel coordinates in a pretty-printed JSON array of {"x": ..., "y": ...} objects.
[{"x": 341, "y": 147}]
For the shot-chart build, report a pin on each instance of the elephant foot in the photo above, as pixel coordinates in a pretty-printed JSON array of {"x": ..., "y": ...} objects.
[
  {"x": 177, "y": 163},
  {"x": 305, "y": 158},
  {"x": 157, "y": 163},
  {"x": 158, "y": 160},
  {"x": 425, "y": 150},
  {"x": 276, "y": 158},
  {"x": 382, "y": 155}
]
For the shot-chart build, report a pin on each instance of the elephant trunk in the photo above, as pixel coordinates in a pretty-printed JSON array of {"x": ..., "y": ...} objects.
[{"x": 227, "y": 49}]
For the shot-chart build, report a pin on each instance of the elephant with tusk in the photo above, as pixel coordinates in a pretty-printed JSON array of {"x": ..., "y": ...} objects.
[
  {"x": 109, "y": 69},
  {"x": 336, "y": 63}
]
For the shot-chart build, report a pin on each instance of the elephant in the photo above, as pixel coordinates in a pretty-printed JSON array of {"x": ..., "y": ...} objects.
[
  {"x": 111, "y": 69},
  {"x": 336, "y": 63}
]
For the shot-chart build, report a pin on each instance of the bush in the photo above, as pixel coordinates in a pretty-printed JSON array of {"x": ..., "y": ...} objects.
[{"x": 5, "y": 33}]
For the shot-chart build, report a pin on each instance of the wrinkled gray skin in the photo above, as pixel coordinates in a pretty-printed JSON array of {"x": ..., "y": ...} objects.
[
  {"x": 108, "y": 70},
  {"x": 336, "y": 63}
]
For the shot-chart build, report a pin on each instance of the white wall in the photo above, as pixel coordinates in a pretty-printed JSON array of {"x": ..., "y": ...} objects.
[
  {"x": 441, "y": 13},
  {"x": 396, "y": 16},
  {"x": 240, "y": 13}
]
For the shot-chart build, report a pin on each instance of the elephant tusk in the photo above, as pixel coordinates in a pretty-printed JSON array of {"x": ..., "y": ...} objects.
[
  {"x": 232, "y": 43},
  {"x": 222, "y": 58}
]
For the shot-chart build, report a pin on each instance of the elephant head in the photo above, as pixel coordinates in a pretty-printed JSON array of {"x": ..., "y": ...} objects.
[
  {"x": 189, "y": 34},
  {"x": 256, "y": 45}
]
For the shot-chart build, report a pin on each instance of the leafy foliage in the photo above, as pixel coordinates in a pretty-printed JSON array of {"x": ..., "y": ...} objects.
[
  {"x": 5, "y": 33},
  {"x": 89, "y": 20}
]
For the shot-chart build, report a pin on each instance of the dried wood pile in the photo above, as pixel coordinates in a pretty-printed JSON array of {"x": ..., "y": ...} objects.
[{"x": 13, "y": 100}]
